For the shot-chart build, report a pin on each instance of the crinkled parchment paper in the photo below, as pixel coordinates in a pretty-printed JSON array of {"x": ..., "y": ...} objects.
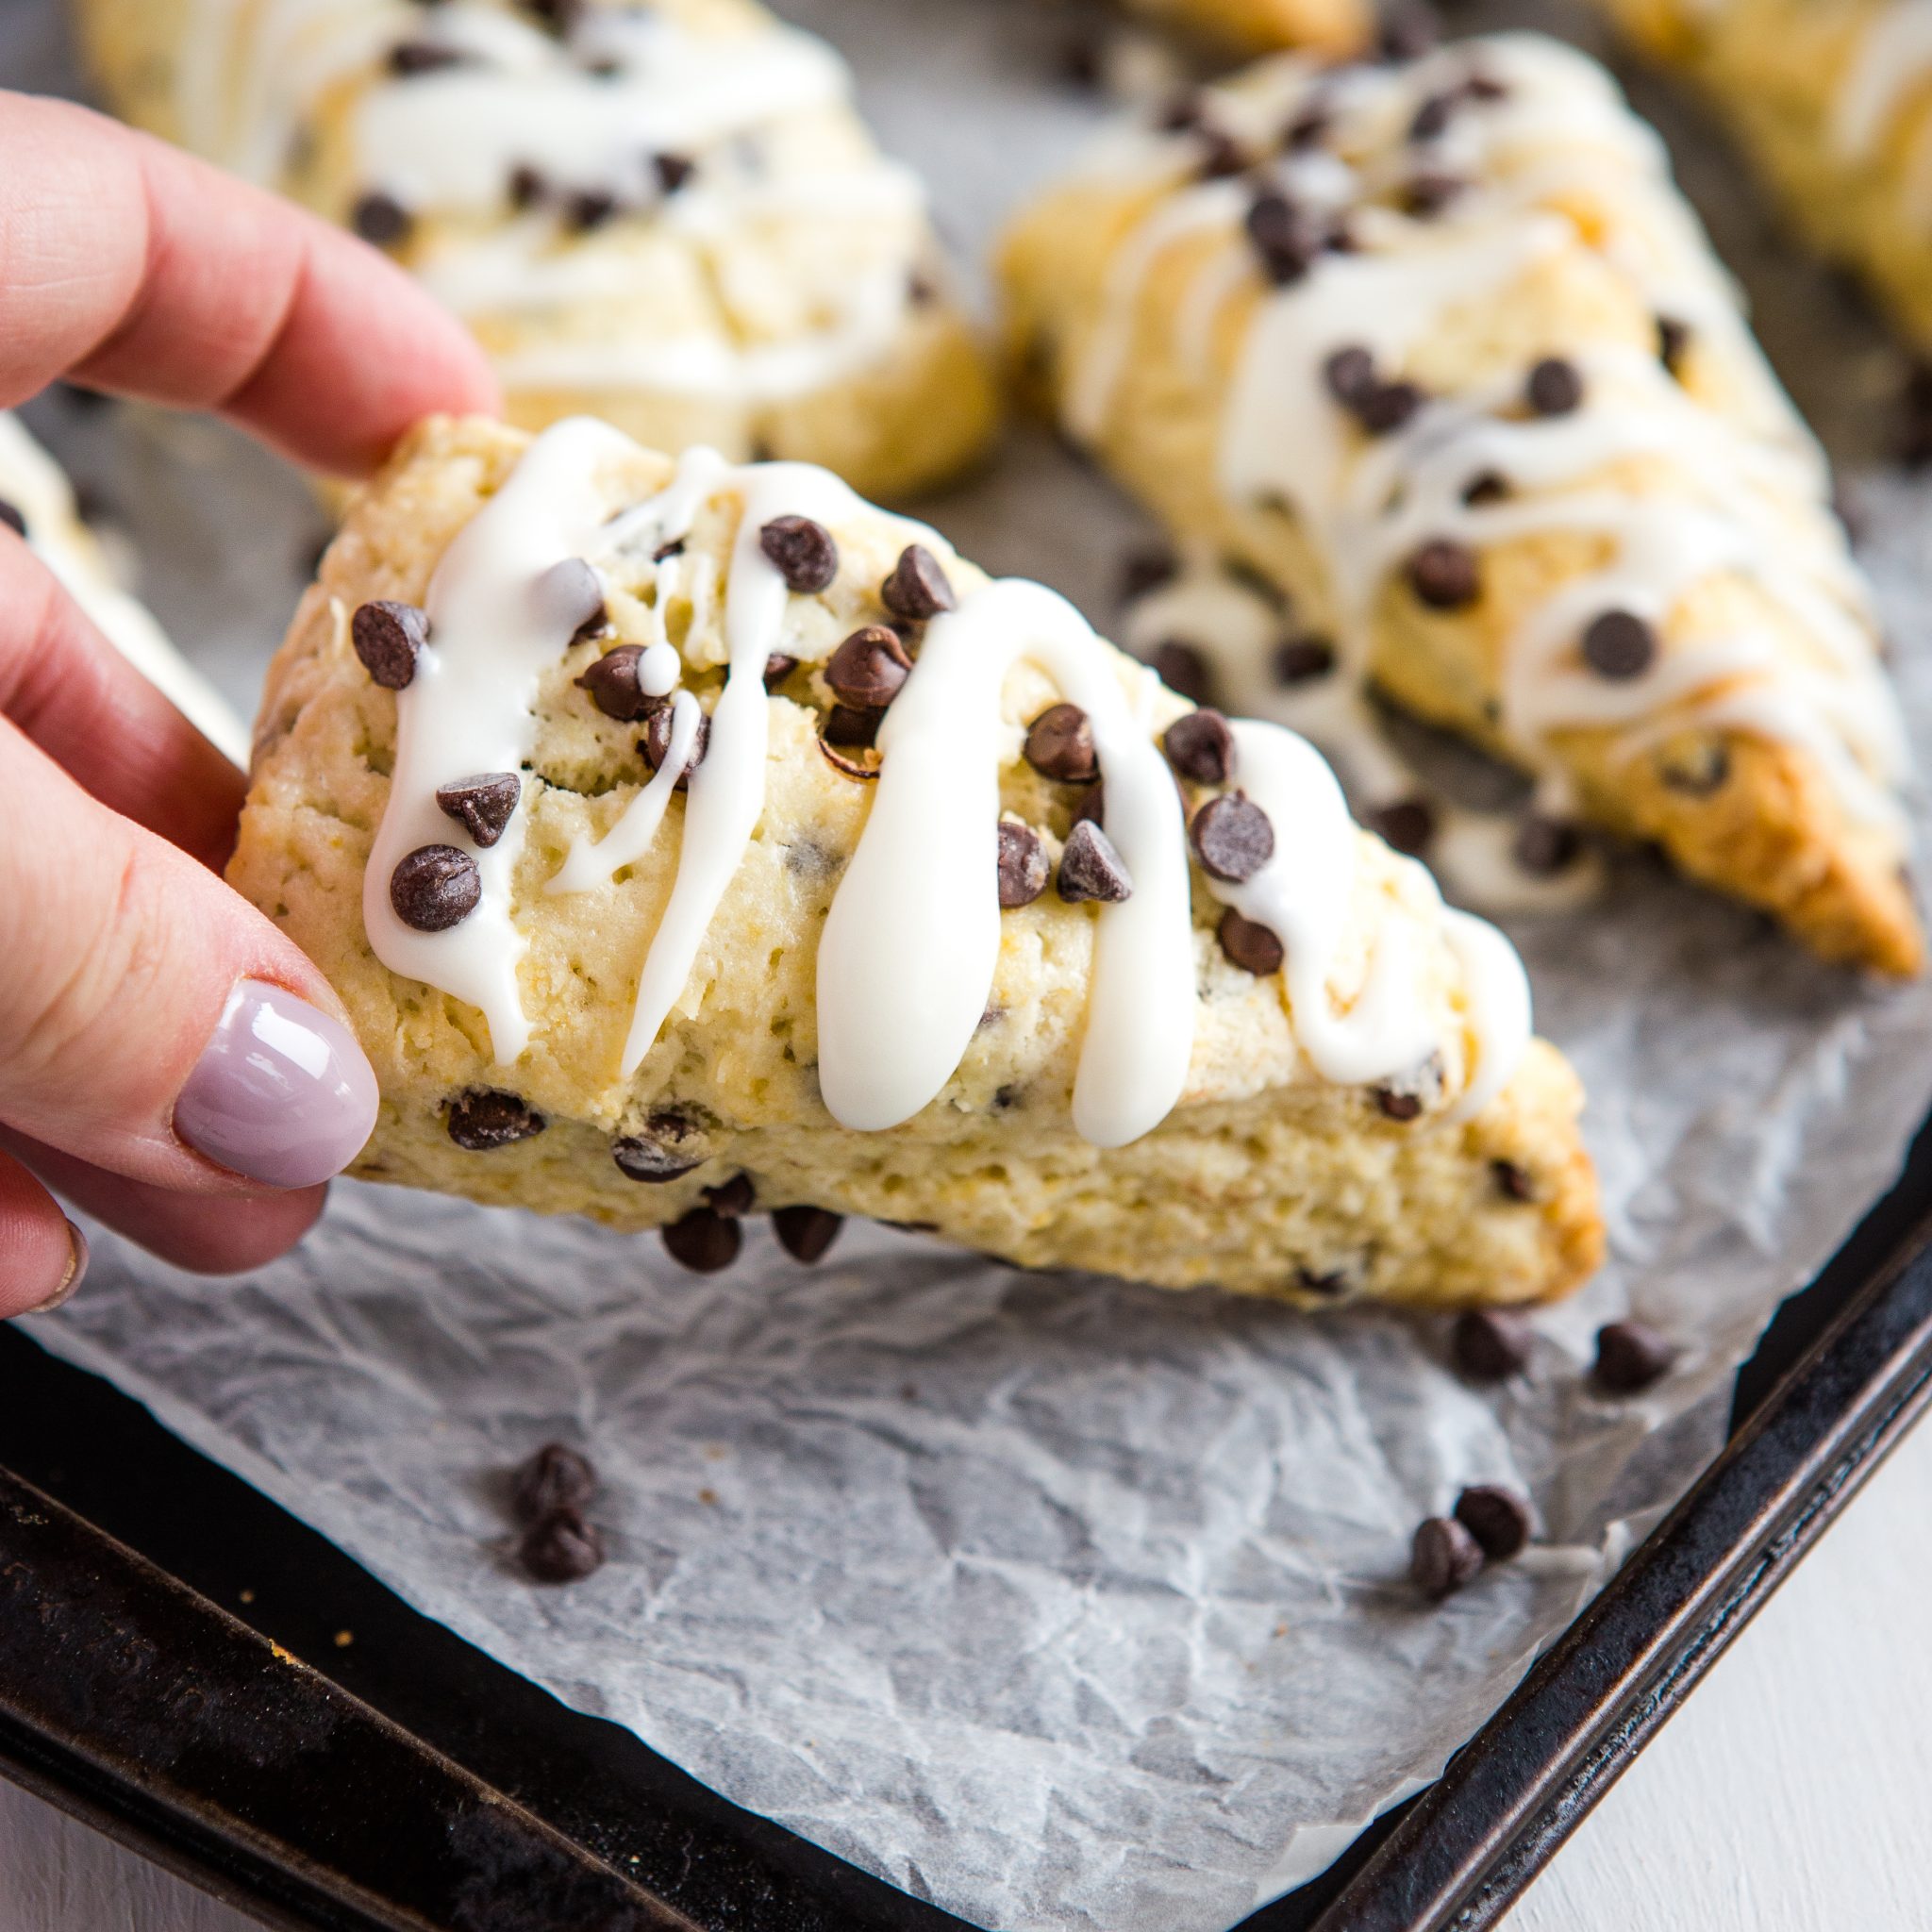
[{"x": 1061, "y": 1603}]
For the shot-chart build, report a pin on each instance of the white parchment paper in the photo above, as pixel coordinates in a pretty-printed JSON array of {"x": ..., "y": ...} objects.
[{"x": 1061, "y": 1603}]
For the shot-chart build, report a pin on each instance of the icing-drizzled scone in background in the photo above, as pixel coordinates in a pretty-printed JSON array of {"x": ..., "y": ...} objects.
[
  {"x": 1437, "y": 350},
  {"x": 666, "y": 213},
  {"x": 689, "y": 841},
  {"x": 38, "y": 501},
  {"x": 1833, "y": 98},
  {"x": 1334, "y": 27}
]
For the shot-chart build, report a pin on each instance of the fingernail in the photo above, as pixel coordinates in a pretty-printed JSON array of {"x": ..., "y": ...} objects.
[
  {"x": 77, "y": 1267},
  {"x": 281, "y": 1094}
]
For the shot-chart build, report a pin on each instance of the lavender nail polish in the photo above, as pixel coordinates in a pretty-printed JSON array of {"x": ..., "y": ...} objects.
[{"x": 281, "y": 1094}]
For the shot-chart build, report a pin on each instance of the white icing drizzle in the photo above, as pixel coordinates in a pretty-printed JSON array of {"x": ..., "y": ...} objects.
[
  {"x": 633, "y": 835},
  {"x": 1892, "y": 60}
]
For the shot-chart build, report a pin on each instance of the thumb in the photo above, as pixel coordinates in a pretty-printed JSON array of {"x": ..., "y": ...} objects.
[{"x": 152, "y": 1023}]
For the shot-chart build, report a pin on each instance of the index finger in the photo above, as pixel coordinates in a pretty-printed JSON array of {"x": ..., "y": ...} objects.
[{"x": 136, "y": 268}]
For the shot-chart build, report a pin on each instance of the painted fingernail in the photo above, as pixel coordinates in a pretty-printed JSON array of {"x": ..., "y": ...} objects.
[
  {"x": 77, "y": 1267},
  {"x": 281, "y": 1094}
]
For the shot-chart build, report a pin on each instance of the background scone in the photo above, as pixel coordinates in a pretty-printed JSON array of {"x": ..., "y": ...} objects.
[
  {"x": 876, "y": 953},
  {"x": 1335, "y": 26},
  {"x": 668, "y": 214},
  {"x": 1439, "y": 350}
]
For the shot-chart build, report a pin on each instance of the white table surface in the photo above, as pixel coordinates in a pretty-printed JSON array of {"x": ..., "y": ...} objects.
[{"x": 1790, "y": 1796}]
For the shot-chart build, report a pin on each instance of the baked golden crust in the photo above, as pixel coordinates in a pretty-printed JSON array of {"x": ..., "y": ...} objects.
[{"x": 1335, "y": 26}]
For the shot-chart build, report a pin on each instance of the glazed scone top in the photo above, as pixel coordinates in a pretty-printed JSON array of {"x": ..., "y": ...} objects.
[
  {"x": 1373, "y": 205},
  {"x": 724, "y": 584}
]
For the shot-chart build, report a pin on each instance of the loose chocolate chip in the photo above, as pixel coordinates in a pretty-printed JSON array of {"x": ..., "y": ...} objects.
[
  {"x": 851, "y": 729},
  {"x": 668, "y": 1149},
  {"x": 1407, "y": 823},
  {"x": 1672, "y": 343},
  {"x": 587, "y": 208},
  {"x": 562, "y": 1548},
  {"x": 918, "y": 587},
  {"x": 613, "y": 683},
  {"x": 387, "y": 637},
  {"x": 1700, "y": 770},
  {"x": 1630, "y": 1356},
  {"x": 1146, "y": 569},
  {"x": 557, "y": 1477},
  {"x": 1409, "y": 31},
  {"x": 1092, "y": 869},
  {"x": 1498, "y": 1518},
  {"x": 1301, "y": 660},
  {"x": 10, "y": 516},
  {"x": 1287, "y": 238},
  {"x": 779, "y": 665},
  {"x": 408, "y": 59},
  {"x": 1512, "y": 1182},
  {"x": 806, "y": 1233},
  {"x": 656, "y": 743},
  {"x": 1544, "y": 847},
  {"x": 1183, "y": 668},
  {"x": 703, "y": 1241},
  {"x": 570, "y": 594},
  {"x": 1619, "y": 644},
  {"x": 485, "y": 1118},
  {"x": 1349, "y": 374},
  {"x": 1444, "y": 1557},
  {"x": 1232, "y": 838},
  {"x": 1060, "y": 745},
  {"x": 803, "y": 553},
  {"x": 484, "y": 804},
  {"x": 1490, "y": 486},
  {"x": 1249, "y": 944},
  {"x": 1398, "y": 1106},
  {"x": 1491, "y": 1344},
  {"x": 1555, "y": 386},
  {"x": 528, "y": 187},
  {"x": 674, "y": 170},
  {"x": 734, "y": 1199},
  {"x": 435, "y": 888},
  {"x": 1201, "y": 747},
  {"x": 380, "y": 218},
  {"x": 1023, "y": 865},
  {"x": 1446, "y": 575},
  {"x": 1425, "y": 196},
  {"x": 1384, "y": 408},
  {"x": 867, "y": 670}
]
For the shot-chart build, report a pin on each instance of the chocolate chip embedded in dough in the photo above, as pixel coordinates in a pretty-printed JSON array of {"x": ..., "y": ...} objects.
[
  {"x": 1555, "y": 386},
  {"x": 1349, "y": 372},
  {"x": 1060, "y": 745},
  {"x": 570, "y": 595},
  {"x": 1619, "y": 644},
  {"x": 1023, "y": 865},
  {"x": 1498, "y": 1519},
  {"x": 1672, "y": 343},
  {"x": 868, "y": 668},
  {"x": 703, "y": 1241},
  {"x": 486, "y": 1118},
  {"x": 561, "y": 1547},
  {"x": 1630, "y": 1356},
  {"x": 528, "y": 187},
  {"x": 1200, "y": 747},
  {"x": 1407, "y": 823},
  {"x": 1545, "y": 847},
  {"x": 1285, "y": 236},
  {"x": 1184, "y": 669},
  {"x": 1513, "y": 1183},
  {"x": 1232, "y": 838},
  {"x": 803, "y": 553},
  {"x": 555, "y": 1477},
  {"x": 484, "y": 804},
  {"x": 1409, "y": 31},
  {"x": 674, "y": 170},
  {"x": 1444, "y": 1557},
  {"x": 806, "y": 1233},
  {"x": 1249, "y": 944},
  {"x": 1398, "y": 1106},
  {"x": 1302, "y": 659},
  {"x": 917, "y": 588},
  {"x": 866, "y": 764},
  {"x": 1092, "y": 869},
  {"x": 435, "y": 888},
  {"x": 779, "y": 665},
  {"x": 409, "y": 59},
  {"x": 667, "y": 1149},
  {"x": 387, "y": 637},
  {"x": 1486, "y": 487},
  {"x": 1698, "y": 771},
  {"x": 588, "y": 208},
  {"x": 1146, "y": 568},
  {"x": 380, "y": 219},
  {"x": 1428, "y": 192},
  {"x": 851, "y": 729},
  {"x": 656, "y": 743},
  {"x": 1446, "y": 576},
  {"x": 1330, "y": 1284},
  {"x": 1431, "y": 121},
  {"x": 734, "y": 1199},
  {"x": 1491, "y": 1344},
  {"x": 613, "y": 685}
]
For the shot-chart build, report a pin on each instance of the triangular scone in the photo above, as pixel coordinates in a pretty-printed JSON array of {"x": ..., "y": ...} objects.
[
  {"x": 1832, "y": 102},
  {"x": 919, "y": 980},
  {"x": 666, "y": 213},
  {"x": 1438, "y": 349}
]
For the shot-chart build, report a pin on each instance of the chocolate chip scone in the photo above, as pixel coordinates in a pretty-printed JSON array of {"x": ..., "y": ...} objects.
[
  {"x": 689, "y": 839},
  {"x": 666, "y": 213},
  {"x": 1336, "y": 26},
  {"x": 1437, "y": 350}
]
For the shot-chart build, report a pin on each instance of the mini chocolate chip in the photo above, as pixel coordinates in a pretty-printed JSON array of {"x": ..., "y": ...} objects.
[
  {"x": 1407, "y": 823},
  {"x": 1232, "y": 838},
  {"x": 703, "y": 1241},
  {"x": 1490, "y": 1344},
  {"x": 779, "y": 665},
  {"x": 613, "y": 683},
  {"x": 1699, "y": 772},
  {"x": 1431, "y": 121},
  {"x": 1285, "y": 236},
  {"x": 586, "y": 208},
  {"x": 674, "y": 170},
  {"x": 1301, "y": 660},
  {"x": 1630, "y": 1356},
  {"x": 734, "y": 1199},
  {"x": 1446, "y": 576},
  {"x": 656, "y": 743},
  {"x": 1488, "y": 486},
  {"x": 867, "y": 670},
  {"x": 1544, "y": 847},
  {"x": 921, "y": 290},
  {"x": 1330, "y": 1284},
  {"x": 1384, "y": 408},
  {"x": 408, "y": 59},
  {"x": 1200, "y": 747},
  {"x": 528, "y": 187},
  {"x": 1249, "y": 944},
  {"x": 1426, "y": 194},
  {"x": 1398, "y": 1106},
  {"x": 1059, "y": 745},
  {"x": 1146, "y": 569},
  {"x": 1023, "y": 865},
  {"x": 806, "y": 1233},
  {"x": 387, "y": 637},
  {"x": 486, "y": 1118},
  {"x": 674, "y": 548},
  {"x": 380, "y": 218},
  {"x": 864, "y": 769},
  {"x": 555, "y": 1477},
  {"x": 559, "y": 16},
  {"x": 1555, "y": 386},
  {"x": 1498, "y": 1518},
  {"x": 10, "y": 516},
  {"x": 918, "y": 587},
  {"x": 1512, "y": 1182},
  {"x": 1092, "y": 869},
  {"x": 1183, "y": 668},
  {"x": 483, "y": 805},
  {"x": 1619, "y": 644},
  {"x": 851, "y": 728},
  {"x": 1444, "y": 1557},
  {"x": 1409, "y": 31},
  {"x": 1181, "y": 114},
  {"x": 803, "y": 553},
  {"x": 1914, "y": 416},
  {"x": 1672, "y": 343},
  {"x": 1092, "y": 804},
  {"x": 1310, "y": 129},
  {"x": 1222, "y": 154},
  {"x": 435, "y": 888},
  {"x": 668, "y": 1149},
  {"x": 1349, "y": 374},
  {"x": 570, "y": 594},
  {"x": 562, "y": 1548}
]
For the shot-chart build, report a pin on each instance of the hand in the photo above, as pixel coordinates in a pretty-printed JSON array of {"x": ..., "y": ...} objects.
[{"x": 168, "y": 1060}]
